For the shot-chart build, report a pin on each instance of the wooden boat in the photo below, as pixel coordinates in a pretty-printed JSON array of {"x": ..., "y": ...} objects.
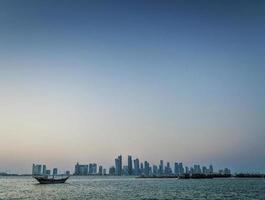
[{"x": 51, "y": 179}]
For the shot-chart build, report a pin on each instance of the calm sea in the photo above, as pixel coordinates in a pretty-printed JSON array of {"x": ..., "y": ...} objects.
[{"x": 132, "y": 188}]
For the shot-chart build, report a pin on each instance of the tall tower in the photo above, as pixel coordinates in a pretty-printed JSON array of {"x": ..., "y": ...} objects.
[
  {"x": 161, "y": 167},
  {"x": 211, "y": 169},
  {"x": 118, "y": 166},
  {"x": 136, "y": 167},
  {"x": 181, "y": 168},
  {"x": 43, "y": 169},
  {"x": 146, "y": 168},
  {"x": 176, "y": 169},
  {"x": 130, "y": 168}
]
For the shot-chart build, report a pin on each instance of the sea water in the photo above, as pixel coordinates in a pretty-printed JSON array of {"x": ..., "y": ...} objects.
[{"x": 117, "y": 188}]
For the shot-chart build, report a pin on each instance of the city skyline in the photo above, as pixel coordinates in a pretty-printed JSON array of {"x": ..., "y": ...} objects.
[
  {"x": 89, "y": 80},
  {"x": 132, "y": 167}
]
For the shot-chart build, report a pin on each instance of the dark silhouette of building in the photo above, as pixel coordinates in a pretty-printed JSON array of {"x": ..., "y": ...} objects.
[
  {"x": 130, "y": 167},
  {"x": 136, "y": 167},
  {"x": 118, "y": 166},
  {"x": 161, "y": 167}
]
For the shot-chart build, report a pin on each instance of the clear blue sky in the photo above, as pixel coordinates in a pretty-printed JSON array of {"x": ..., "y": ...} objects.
[{"x": 174, "y": 80}]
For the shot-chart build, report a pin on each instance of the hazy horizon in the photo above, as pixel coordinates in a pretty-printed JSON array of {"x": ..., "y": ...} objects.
[{"x": 174, "y": 80}]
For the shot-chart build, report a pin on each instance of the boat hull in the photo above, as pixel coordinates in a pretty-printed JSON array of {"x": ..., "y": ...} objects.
[{"x": 44, "y": 180}]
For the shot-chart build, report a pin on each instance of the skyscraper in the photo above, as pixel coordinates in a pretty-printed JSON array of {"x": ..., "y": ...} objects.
[
  {"x": 168, "y": 170},
  {"x": 161, "y": 167},
  {"x": 130, "y": 168},
  {"x": 76, "y": 169},
  {"x": 155, "y": 170},
  {"x": 125, "y": 170},
  {"x": 100, "y": 170},
  {"x": 197, "y": 169},
  {"x": 43, "y": 169},
  {"x": 55, "y": 171},
  {"x": 90, "y": 168},
  {"x": 181, "y": 168},
  {"x": 146, "y": 168},
  {"x": 187, "y": 171},
  {"x": 176, "y": 169},
  {"x": 36, "y": 169},
  {"x": 136, "y": 167},
  {"x": 112, "y": 171},
  {"x": 141, "y": 168},
  {"x": 210, "y": 169},
  {"x": 94, "y": 168},
  {"x": 81, "y": 169},
  {"x": 204, "y": 170},
  {"x": 118, "y": 166}
]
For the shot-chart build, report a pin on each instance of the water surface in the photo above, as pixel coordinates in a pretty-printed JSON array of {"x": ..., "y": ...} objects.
[{"x": 117, "y": 188}]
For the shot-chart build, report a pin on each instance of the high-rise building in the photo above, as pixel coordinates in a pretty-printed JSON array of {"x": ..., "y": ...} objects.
[
  {"x": 161, "y": 167},
  {"x": 168, "y": 170},
  {"x": 94, "y": 168},
  {"x": 210, "y": 169},
  {"x": 125, "y": 171},
  {"x": 112, "y": 171},
  {"x": 146, "y": 168},
  {"x": 187, "y": 171},
  {"x": 118, "y": 166},
  {"x": 150, "y": 170},
  {"x": 130, "y": 168},
  {"x": 55, "y": 171},
  {"x": 48, "y": 172},
  {"x": 136, "y": 167},
  {"x": 155, "y": 170},
  {"x": 100, "y": 170},
  {"x": 176, "y": 169},
  {"x": 36, "y": 169},
  {"x": 90, "y": 168},
  {"x": 81, "y": 169},
  {"x": 141, "y": 168},
  {"x": 44, "y": 169},
  {"x": 191, "y": 170},
  {"x": 197, "y": 169},
  {"x": 181, "y": 168},
  {"x": 204, "y": 170},
  {"x": 76, "y": 169}
]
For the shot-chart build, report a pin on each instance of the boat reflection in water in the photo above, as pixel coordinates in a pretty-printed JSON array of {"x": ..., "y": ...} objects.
[{"x": 46, "y": 179}]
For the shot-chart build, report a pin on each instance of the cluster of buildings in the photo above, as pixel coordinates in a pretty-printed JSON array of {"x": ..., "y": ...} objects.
[
  {"x": 89, "y": 169},
  {"x": 134, "y": 167},
  {"x": 137, "y": 168},
  {"x": 38, "y": 169}
]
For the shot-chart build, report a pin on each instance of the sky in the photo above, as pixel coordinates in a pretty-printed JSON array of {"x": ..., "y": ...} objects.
[{"x": 174, "y": 80}]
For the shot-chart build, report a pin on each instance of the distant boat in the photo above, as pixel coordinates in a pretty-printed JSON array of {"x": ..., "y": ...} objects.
[{"x": 51, "y": 179}]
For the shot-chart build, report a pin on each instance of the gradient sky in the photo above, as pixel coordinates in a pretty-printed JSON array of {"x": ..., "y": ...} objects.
[{"x": 174, "y": 80}]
